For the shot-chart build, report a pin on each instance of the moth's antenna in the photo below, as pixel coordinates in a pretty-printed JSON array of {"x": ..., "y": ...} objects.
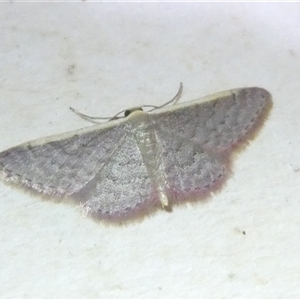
[
  {"x": 117, "y": 116},
  {"x": 174, "y": 100},
  {"x": 92, "y": 119}
]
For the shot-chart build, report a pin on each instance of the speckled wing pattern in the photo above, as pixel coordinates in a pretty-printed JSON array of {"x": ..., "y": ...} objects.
[
  {"x": 122, "y": 186},
  {"x": 101, "y": 168},
  {"x": 221, "y": 121},
  {"x": 61, "y": 165},
  {"x": 104, "y": 168},
  {"x": 189, "y": 169},
  {"x": 201, "y": 135}
]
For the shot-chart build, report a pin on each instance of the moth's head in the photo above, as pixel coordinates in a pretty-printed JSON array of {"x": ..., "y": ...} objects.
[{"x": 127, "y": 112}]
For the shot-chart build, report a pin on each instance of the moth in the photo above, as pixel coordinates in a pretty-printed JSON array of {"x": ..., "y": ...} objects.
[{"x": 144, "y": 160}]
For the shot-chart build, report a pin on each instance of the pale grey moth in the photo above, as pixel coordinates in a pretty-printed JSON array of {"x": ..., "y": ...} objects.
[{"x": 146, "y": 160}]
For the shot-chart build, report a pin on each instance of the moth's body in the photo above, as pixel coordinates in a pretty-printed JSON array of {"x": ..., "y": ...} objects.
[
  {"x": 128, "y": 165},
  {"x": 146, "y": 139}
]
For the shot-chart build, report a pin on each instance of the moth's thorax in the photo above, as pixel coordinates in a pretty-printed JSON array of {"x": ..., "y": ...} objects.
[{"x": 144, "y": 133}]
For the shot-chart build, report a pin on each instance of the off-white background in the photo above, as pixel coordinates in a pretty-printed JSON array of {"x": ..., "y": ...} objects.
[{"x": 101, "y": 58}]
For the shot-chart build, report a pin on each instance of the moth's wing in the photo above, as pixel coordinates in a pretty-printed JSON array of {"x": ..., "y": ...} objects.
[
  {"x": 101, "y": 167},
  {"x": 61, "y": 165},
  {"x": 190, "y": 171},
  {"x": 122, "y": 187},
  {"x": 194, "y": 137},
  {"x": 220, "y": 121}
]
